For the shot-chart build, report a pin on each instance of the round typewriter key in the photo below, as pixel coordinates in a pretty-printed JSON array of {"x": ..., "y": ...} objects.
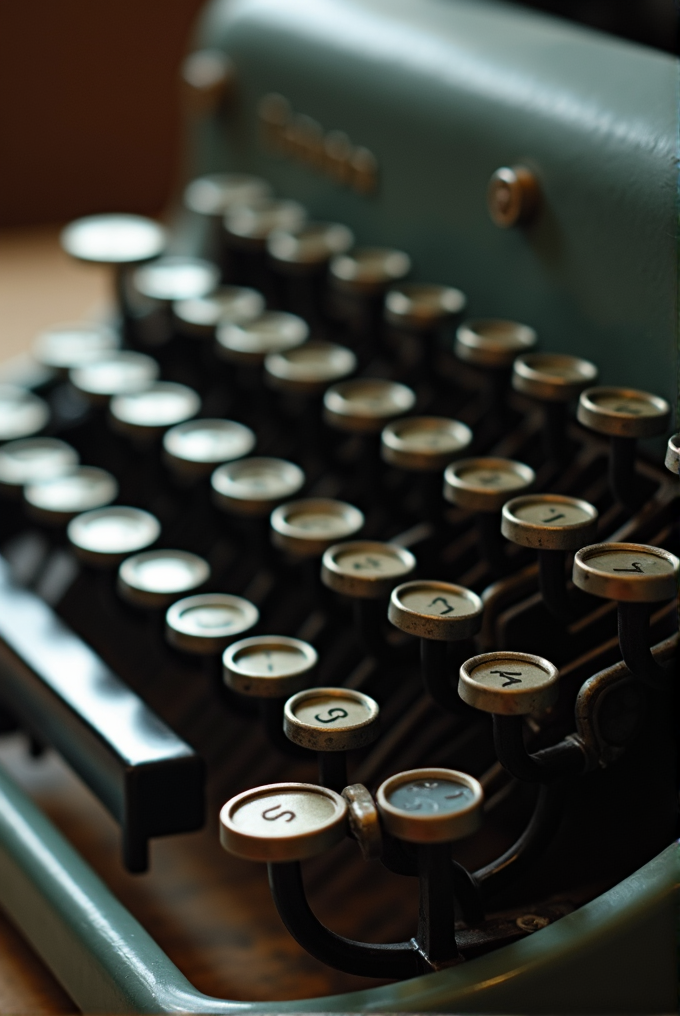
[
  {"x": 673, "y": 454},
  {"x": 255, "y": 486},
  {"x": 435, "y": 610},
  {"x": 156, "y": 578},
  {"x": 58, "y": 500},
  {"x": 66, "y": 346},
  {"x": 269, "y": 666},
  {"x": 430, "y": 805},
  {"x": 310, "y": 368},
  {"x": 365, "y": 569},
  {"x": 145, "y": 415},
  {"x": 508, "y": 684},
  {"x": 424, "y": 443},
  {"x": 310, "y": 245},
  {"x": 217, "y": 193},
  {"x": 32, "y": 460},
  {"x": 176, "y": 278},
  {"x": 331, "y": 719},
  {"x": 207, "y": 623},
  {"x": 117, "y": 374},
  {"x": 623, "y": 412},
  {"x": 369, "y": 269},
  {"x": 308, "y": 527},
  {"x": 195, "y": 448},
  {"x": 249, "y": 226},
  {"x": 629, "y": 572},
  {"x": 484, "y": 485},
  {"x": 366, "y": 404},
  {"x": 549, "y": 521},
  {"x": 114, "y": 239},
  {"x": 422, "y": 306},
  {"x": 106, "y": 536},
  {"x": 552, "y": 377},
  {"x": 22, "y": 414},
  {"x": 273, "y": 332},
  {"x": 283, "y": 822},
  {"x": 202, "y": 315},
  {"x": 493, "y": 343}
]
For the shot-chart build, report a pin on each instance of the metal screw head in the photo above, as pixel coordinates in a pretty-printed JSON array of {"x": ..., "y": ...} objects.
[
  {"x": 532, "y": 922},
  {"x": 513, "y": 196}
]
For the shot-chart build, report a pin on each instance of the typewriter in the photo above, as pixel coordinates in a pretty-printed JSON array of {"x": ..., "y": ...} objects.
[{"x": 348, "y": 539}]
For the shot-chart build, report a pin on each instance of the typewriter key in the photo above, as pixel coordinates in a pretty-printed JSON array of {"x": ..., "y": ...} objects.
[
  {"x": 272, "y": 332},
  {"x": 176, "y": 278},
  {"x": 365, "y": 569},
  {"x": 120, "y": 373},
  {"x": 624, "y": 414},
  {"x": 104, "y": 537},
  {"x": 422, "y": 307},
  {"x": 55, "y": 502},
  {"x": 283, "y": 822},
  {"x": 250, "y": 225},
  {"x": 195, "y": 448},
  {"x": 309, "y": 527},
  {"x": 156, "y": 578},
  {"x": 33, "y": 460},
  {"x": 145, "y": 415},
  {"x": 255, "y": 486},
  {"x": 553, "y": 379},
  {"x": 551, "y": 524},
  {"x": 269, "y": 666},
  {"x": 309, "y": 246},
  {"x": 218, "y": 193},
  {"x": 366, "y": 404},
  {"x": 207, "y": 623},
  {"x": 235, "y": 304},
  {"x": 435, "y": 611},
  {"x": 369, "y": 270},
  {"x": 493, "y": 343},
  {"x": 424, "y": 443},
  {"x": 673, "y": 454},
  {"x": 22, "y": 414},
  {"x": 508, "y": 684},
  {"x": 64, "y": 347},
  {"x": 309, "y": 369},
  {"x": 430, "y": 805},
  {"x": 331, "y": 721},
  {"x": 114, "y": 239}
]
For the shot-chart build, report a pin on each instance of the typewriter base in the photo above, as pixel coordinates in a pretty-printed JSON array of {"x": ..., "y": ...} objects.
[{"x": 109, "y": 964}]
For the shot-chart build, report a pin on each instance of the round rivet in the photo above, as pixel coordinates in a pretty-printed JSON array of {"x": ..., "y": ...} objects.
[
  {"x": 283, "y": 822},
  {"x": 234, "y": 304},
  {"x": 311, "y": 245},
  {"x": 249, "y": 226},
  {"x": 255, "y": 486},
  {"x": 157, "y": 577},
  {"x": 106, "y": 536},
  {"x": 176, "y": 278},
  {"x": 310, "y": 368},
  {"x": 421, "y": 306},
  {"x": 369, "y": 269},
  {"x": 114, "y": 239},
  {"x": 365, "y": 569},
  {"x": 493, "y": 342},
  {"x": 308, "y": 527},
  {"x": 623, "y": 412},
  {"x": 430, "y": 805},
  {"x": 269, "y": 666},
  {"x": 218, "y": 193},
  {"x": 549, "y": 522},
  {"x": 484, "y": 485},
  {"x": 272, "y": 332},
  {"x": 435, "y": 610},
  {"x": 508, "y": 684},
  {"x": 22, "y": 413},
  {"x": 147, "y": 414},
  {"x": 629, "y": 572},
  {"x": 58, "y": 500},
  {"x": 673, "y": 454},
  {"x": 32, "y": 460},
  {"x": 207, "y": 623},
  {"x": 424, "y": 443},
  {"x": 195, "y": 448},
  {"x": 116, "y": 374},
  {"x": 331, "y": 719},
  {"x": 513, "y": 196},
  {"x": 366, "y": 404},
  {"x": 552, "y": 377},
  {"x": 66, "y": 346}
]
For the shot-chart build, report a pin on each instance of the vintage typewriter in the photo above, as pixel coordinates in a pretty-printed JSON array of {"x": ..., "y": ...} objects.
[{"x": 336, "y": 536}]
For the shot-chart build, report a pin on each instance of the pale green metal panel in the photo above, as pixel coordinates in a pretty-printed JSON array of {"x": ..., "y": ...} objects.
[{"x": 444, "y": 92}]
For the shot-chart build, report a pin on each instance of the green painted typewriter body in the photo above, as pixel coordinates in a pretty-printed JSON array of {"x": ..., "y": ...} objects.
[{"x": 391, "y": 117}]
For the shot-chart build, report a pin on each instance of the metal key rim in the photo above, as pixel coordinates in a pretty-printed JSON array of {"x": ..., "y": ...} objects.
[
  {"x": 274, "y": 331},
  {"x": 79, "y": 239},
  {"x": 347, "y": 738},
  {"x": 288, "y": 370},
  {"x": 531, "y": 375},
  {"x": 181, "y": 635},
  {"x": 493, "y": 342},
  {"x": 280, "y": 686},
  {"x": 79, "y": 533},
  {"x": 230, "y": 497},
  {"x": 420, "y": 306},
  {"x": 615, "y": 423},
  {"x": 421, "y": 828},
  {"x": 510, "y": 701},
  {"x": 539, "y": 536},
  {"x": 476, "y": 497},
  {"x": 132, "y": 588},
  {"x": 345, "y": 413},
  {"x": 395, "y": 448},
  {"x": 367, "y": 587},
  {"x": 432, "y": 626},
  {"x": 635, "y": 587},
  {"x": 287, "y": 536}
]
